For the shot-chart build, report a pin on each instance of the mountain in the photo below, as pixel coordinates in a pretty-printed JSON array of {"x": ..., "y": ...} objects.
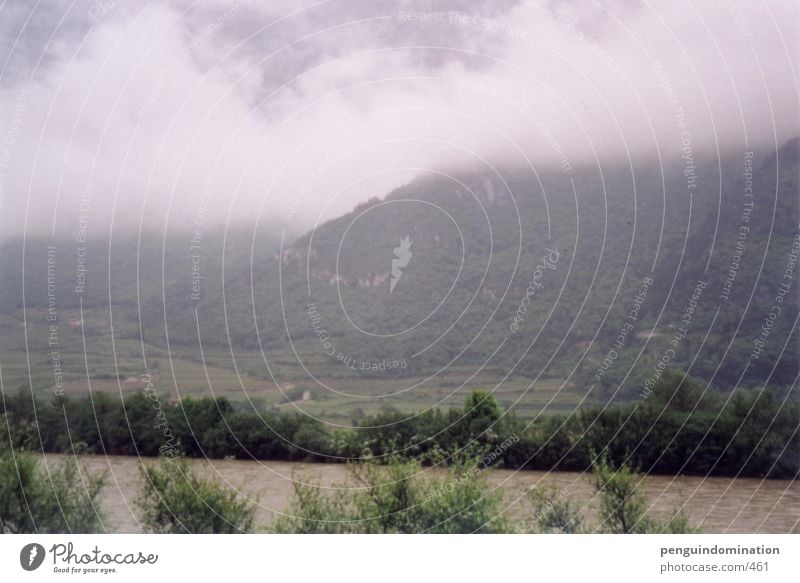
[{"x": 600, "y": 277}]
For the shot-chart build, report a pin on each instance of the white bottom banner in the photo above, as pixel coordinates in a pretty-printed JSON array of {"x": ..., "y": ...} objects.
[{"x": 400, "y": 558}]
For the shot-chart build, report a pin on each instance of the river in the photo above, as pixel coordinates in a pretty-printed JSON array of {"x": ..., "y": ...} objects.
[{"x": 718, "y": 505}]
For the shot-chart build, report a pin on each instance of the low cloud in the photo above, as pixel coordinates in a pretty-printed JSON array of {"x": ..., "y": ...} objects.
[{"x": 140, "y": 115}]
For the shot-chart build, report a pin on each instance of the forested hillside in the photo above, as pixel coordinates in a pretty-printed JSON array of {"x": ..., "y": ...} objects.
[{"x": 602, "y": 278}]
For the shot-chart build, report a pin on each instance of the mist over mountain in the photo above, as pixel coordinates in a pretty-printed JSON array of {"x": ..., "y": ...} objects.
[
  {"x": 601, "y": 280},
  {"x": 347, "y": 206},
  {"x": 138, "y": 116}
]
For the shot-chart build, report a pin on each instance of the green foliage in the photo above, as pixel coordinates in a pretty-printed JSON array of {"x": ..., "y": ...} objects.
[
  {"x": 42, "y": 497},
  {"x": 623, "y": 508},
  {"x": 396, "y": 498},
  {"x": 174, "y": 499},
  {"x": 314, "y": 510},
  {"x": 554, "y": 511},
  {"x": 680, "y": 428},
  {"x": 677, "y": 523}
]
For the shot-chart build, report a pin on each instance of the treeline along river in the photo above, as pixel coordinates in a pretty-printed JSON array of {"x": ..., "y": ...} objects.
[{"x": 679, "y": 429}]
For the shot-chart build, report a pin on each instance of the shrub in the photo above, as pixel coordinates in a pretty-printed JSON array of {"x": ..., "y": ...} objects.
[
  {"x": 463, "y": 503},
  {"x": 397, "y": 499},
  {"x": 554, "y": 511},
  {"x": 623, "y": 508},
  {"x": 59, "y": 498},
  {"x": 176, "y": 500}
]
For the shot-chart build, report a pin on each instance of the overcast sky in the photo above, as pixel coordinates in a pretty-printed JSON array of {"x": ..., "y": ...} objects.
[{"x": 296, "y": 110}]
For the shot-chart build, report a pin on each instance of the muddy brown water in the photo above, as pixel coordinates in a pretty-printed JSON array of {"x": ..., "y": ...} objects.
[{"x": 718, "y": 505}]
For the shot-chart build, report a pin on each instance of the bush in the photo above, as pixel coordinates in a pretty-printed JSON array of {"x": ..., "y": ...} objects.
[
  {"x": 623, "y": 509},
  {"x": 396, "y": 499},
  {"x": 176, "y": 500},
  {"x": 463, "y": 503},
  {"x": 554, "y": 512},
  {"x": 61, "y": 498}
]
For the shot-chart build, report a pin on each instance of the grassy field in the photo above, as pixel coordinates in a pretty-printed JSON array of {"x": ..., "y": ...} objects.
[{"x": 117, "y": 365}]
